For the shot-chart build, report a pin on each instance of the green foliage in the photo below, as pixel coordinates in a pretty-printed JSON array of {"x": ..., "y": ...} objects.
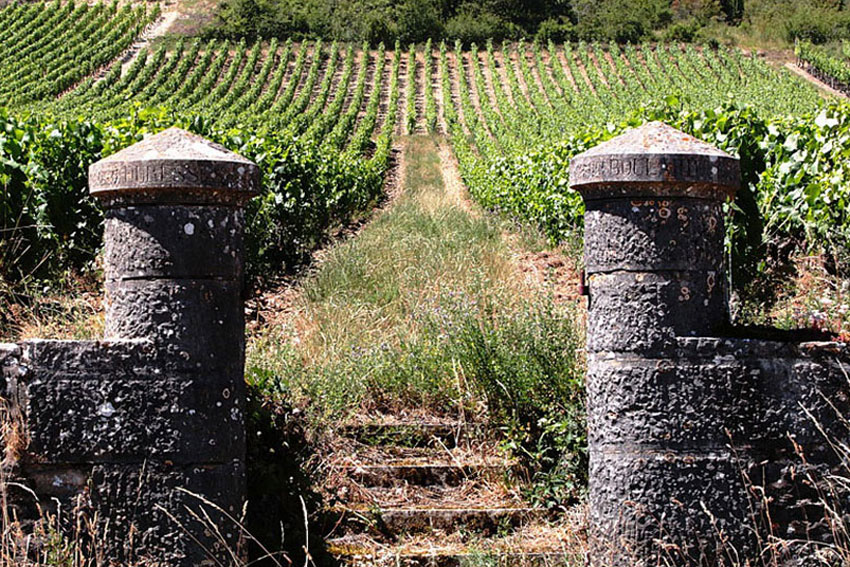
[
  {"x": 471, "y": 23},
  {"x": 307, "y": 190},
  {"x": 522, "y": 167},
  {"x": 384, "y": 20},
  {"x": 50, "y": 224},
  {"x": 622, "y": 21},
  {"x": 417, "y": 20},
  {"x": 686, "y": 30},
  {"x": 48, "y": 48},
  {"x": 311, "y": 150},
  {"x": 529, "y": 370},
  {"x": 556, "y": 30},
  {"x": 823, "y": 61},
  {"x": 817, "y": 25},
  {"x": 47, "y": 218},
  {"x": 788, "y": 20},
  {"x": 794, "y": 182}
]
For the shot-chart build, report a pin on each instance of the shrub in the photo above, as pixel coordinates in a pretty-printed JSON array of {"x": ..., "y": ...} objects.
[
  {"x": 623, "y": 21},
  {"x": 556, "y": 30},
  {"x": 814, "y": 26},
  {"x": 472, "y": 25},
  {"x": 683, "y": 31},
  {"x": 50, "y": 224},
  {"x": 418, "y": 20}
]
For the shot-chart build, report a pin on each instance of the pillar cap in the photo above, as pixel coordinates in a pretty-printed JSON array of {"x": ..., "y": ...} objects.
[
  {"x": 177, "y": 167},
  {"x": 655, "y": 160}
]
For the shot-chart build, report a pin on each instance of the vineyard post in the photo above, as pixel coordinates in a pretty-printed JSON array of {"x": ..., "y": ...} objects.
[
  {"x": 174, "y": 276},
  {"x": 664, "y": 484}
]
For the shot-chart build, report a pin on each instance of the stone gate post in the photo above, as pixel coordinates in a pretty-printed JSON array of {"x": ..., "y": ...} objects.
[
  {"x": 664, "y": 484},
  {"x": 174, "y": 275},
  {"x": 147, "y": 425}
]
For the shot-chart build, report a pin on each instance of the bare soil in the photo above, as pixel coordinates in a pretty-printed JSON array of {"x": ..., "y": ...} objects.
[{"x": 814, "y": 80}]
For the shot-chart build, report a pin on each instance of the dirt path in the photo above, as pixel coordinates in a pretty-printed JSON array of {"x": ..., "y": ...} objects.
[
  {"x": 513, "y": 61},
  {"x": 455, "y": 190},
  {"x": 404, "y": 84},
  {"x": 442, "y": 126},
  {"x": 565, "y": 67},
  {"x": 158, "y": 29},
  {"x": 490, "y": 86},
  {"x": 455, "y": 67},
  {"x": 814, "y": 80},
  {"x": 584, "y": 72},
  {"x": 502, "y": 77},
  {"x": 384, "y": 100},
  {"x": 612, "y": 67},
  {"x": 472, "y": 84},
  {"x": 371, "y": 85},
  {"x": 531, "y": 61},
  {"x": 418, "y": 83},
  {"x": 549, "y": 73}
]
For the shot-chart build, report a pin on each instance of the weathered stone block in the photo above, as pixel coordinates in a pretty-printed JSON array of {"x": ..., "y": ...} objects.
[
  {"x": 174, "y": 167},
  {"x": 654, "y": 507},
  {"x": 645, "y": 311},
  {"x": 654, "y": 234},
  {"x": 678, "y": 404},
  {"x": 128, "y": 359},
  {"x": 174, "y": 242},
  {"x": 748, "y": 402},
  {"x": 199, "y": 320},
  {"x": 10, "y": 355},
  {"x": 655, "y": 160},
  {"x": 106, "y": 420},
  {"x": 800, "y": 389},
  {"x": 153, "y": 509}
]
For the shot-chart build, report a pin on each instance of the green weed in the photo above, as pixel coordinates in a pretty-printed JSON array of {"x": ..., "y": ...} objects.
[{"x": 425, "y": 309}]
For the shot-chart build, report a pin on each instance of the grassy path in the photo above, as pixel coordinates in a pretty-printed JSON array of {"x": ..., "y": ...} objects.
[
  {"x": 418, "y": 310},
  {"x": 435, "y": 312}
]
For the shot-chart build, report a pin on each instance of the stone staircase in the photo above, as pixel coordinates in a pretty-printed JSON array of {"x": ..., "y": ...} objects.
[{"x": 435, "y": 494}]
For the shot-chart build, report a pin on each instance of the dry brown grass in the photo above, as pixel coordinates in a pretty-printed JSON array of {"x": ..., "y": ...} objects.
[
  {"x": 813, "y": 298},
  {"x": 538, "y": 536},
  {"x": 74, "y": 310}
]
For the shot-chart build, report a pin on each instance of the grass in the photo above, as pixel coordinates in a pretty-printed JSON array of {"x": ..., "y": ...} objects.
[
  {"x": 806, "y": 293},
  {"x": 70, "y": 309},
  {"x": 426, "y": 307}
]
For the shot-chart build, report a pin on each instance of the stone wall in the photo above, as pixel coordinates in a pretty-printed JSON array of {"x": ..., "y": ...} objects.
[
  {"x": 142, "y": 434},
  {"x": 703, "y": 447}
]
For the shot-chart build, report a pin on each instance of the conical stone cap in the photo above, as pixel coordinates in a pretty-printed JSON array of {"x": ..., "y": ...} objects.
[
  {"x": 174, "y": 166},
  {"x": 655, "y": 160}
]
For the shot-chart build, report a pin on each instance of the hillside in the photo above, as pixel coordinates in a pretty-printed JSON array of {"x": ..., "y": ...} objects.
[{"x": 415, "y": 355}]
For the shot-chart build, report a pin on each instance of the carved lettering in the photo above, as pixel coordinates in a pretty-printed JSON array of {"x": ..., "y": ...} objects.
[
  {"x": 153, "y": 174},
  {"x": 654, "y": 168}
]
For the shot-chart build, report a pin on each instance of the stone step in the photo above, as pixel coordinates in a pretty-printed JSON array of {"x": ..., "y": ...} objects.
[
  {"x": 392, "y": 522},
  {"x": 435, "y": 454},
  {"x": 541, "y": 545},
  {"x": 469, "y": 493},
  {"x": 414, "y": 434},
  {"x": 470, "y": 559},
  {"x": 421, "y": 474}
]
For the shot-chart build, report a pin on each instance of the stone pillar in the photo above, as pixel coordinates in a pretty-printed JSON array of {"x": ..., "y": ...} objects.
[
  {"x": 174, "y": 275},
  {"x": 664, "y": 485}
]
